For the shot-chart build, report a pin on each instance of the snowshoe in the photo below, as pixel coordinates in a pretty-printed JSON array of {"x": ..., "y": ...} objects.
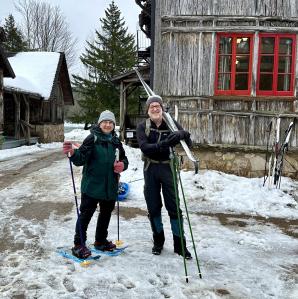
[
  {"x": 81, "y": 251},
  {"x": 104, "y": 246}
]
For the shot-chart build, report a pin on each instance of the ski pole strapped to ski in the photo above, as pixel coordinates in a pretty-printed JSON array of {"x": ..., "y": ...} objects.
[{"x": 170, "y": 123}]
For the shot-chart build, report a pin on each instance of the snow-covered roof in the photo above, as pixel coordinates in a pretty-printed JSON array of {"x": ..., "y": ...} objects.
[{"x": 35, "y": 72}]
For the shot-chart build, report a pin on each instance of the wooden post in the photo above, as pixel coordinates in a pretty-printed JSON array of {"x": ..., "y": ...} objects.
[
  {"x": 255, "y": 64},
  {"x": 210, "y": 122},
  {"x": 124, "y": 95},
  {"x": 1, "y": 103},
  {"x": 121, "y": 115},
  {"x": 27, "y": 119},
  {"x": 252, "y": 125},
  {"x": 17, "y": 116},
  {"x": 53, "y": 111}
]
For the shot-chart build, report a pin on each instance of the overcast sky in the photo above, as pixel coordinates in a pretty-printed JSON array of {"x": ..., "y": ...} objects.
[{"x": 83, "y": 16}]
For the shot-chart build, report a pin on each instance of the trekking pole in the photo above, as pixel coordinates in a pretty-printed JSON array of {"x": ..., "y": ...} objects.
[
  {"x": 188, "y": 220},
  {"x": 76, "y": 202},
  {"x": 85, "y": 263},
  {"x": 118, "y": 242},
  {"x": 172, "y": 165}
]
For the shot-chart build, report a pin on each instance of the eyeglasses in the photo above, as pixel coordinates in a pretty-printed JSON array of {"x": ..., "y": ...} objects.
[
  {"x": 154, "y": 107},
  {"x": 107, "y": 123}
]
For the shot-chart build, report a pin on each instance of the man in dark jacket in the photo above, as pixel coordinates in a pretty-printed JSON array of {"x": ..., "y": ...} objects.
[
  {"x": 155, "y": 140},
  {"x": 99, "y": 182}
]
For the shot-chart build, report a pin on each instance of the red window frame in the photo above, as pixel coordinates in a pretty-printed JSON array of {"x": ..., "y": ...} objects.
[
  {"x": 274, "y": 91},
  {"x": 232, "y": 90}
]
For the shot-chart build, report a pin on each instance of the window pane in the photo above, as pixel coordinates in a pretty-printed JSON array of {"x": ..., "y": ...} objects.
[
  {"x": 224, "y": 64},
  {"x": 283, "y": 82},
  {"x": 224, "y": 81},
  {"x": 242, "y": 45},
  {"x": 266, "y": 81},
  {"x": 267, "y": 63},
  {"x": 285, "y": 46},
  {"x": 242, "y": 63},
  {"x": 284, "y": 64},
  {"x": 267, "y": 45},
  {"x": 241, "y": 82},
  {"x": 225, "y": 45}
]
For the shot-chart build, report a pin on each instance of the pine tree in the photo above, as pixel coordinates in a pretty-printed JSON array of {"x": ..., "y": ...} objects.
[
  {"x": 14, "y": 40},
  {"x": 112, "y": 52}
]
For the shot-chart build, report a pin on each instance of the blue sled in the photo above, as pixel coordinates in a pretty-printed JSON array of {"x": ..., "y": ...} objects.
[
  {"x": 66, "y": 252},
  {"x": 123, "y": 191}
]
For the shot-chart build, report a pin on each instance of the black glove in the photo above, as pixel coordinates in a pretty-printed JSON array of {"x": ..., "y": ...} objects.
[
  {"x": 174, "y": 138},
  {"x": 185, "y": 134},
  {"x": 182, "y": 134}
]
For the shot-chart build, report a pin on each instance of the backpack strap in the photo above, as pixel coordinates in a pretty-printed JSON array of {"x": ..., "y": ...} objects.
[
  {"x": 147, "y": 127},
  {"x": 95, "y": 138}
]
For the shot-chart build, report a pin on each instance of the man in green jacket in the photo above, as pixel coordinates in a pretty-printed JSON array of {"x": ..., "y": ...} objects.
[{"x": 99, "y": 182}]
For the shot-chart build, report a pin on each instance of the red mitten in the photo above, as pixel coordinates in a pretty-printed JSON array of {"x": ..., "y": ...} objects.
[
  {"x": 68, "y": 148},
  {"x": 118, "y": 167}
]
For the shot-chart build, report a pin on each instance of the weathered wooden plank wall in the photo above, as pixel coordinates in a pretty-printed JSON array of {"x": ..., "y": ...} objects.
[
  {"x": 180, "y": 75},
  {"x": 229, "y": 125},
  {"x": 184, "y": 67},
  {"x": 284, "y": 8}
]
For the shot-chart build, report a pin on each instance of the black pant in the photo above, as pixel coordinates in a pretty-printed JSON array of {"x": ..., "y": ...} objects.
[
  {"x": 87, "y": 209},
  {"x": 158, "y": 177}
]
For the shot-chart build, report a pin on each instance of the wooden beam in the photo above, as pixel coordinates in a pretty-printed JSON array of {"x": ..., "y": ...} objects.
[
  {"x": 247, "y": 29},
  {"x": 201, "y": 18}
]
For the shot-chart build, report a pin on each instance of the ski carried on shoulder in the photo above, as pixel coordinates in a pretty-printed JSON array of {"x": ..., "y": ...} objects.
[
  {"x": 66, "y": 252},
  {"x": 170, "y": 122},
  {"x": 115, "y": 252}
]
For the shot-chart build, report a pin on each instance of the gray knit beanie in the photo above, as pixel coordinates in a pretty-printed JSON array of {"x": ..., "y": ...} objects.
[
  {"x": 153, "y": 99},
  {"x": 107, "y": 115}
]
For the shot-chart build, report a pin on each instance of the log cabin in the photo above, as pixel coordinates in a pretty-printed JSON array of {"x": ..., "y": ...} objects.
[{"x": 34, "y": 100}]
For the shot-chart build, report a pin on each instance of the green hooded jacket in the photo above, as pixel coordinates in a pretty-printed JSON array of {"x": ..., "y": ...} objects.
[{"x": 97, "y": 156}]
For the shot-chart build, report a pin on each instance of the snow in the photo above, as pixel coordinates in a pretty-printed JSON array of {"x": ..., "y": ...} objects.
[
  {"x": 244, "y": 245},
  {"x": 35, "y": 72}
]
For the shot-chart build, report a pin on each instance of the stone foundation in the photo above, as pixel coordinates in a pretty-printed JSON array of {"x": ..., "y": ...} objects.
[
  {"x": 245, "y": 162},
  {"x": 49, "y": 132}
]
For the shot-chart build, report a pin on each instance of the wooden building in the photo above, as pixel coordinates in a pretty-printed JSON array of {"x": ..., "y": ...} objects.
[
  {"x": 231, "y": 68},
  {"x": 5, "y": 71},
  {"x": 34, "y": 100}
]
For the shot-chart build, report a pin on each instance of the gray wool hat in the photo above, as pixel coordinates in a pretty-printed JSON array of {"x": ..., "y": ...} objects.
[
  {"x": 107, "y": 115},
  {"x": 152, "y": 99}
]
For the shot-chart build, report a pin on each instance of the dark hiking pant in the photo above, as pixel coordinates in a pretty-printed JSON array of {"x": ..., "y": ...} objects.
[
  {"x": 87, "y": 209},
  {"x": 158, "y": 178}
]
